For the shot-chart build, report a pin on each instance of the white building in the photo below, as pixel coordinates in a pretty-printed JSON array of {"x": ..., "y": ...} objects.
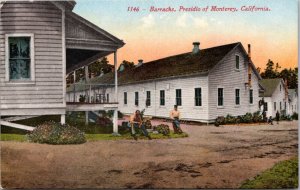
[
  {"x": 204, "y": 83},
  {"x": 275, "y": 96},
  {"x": 40, "y": 43},
  {"x": 293, "y": 101}
]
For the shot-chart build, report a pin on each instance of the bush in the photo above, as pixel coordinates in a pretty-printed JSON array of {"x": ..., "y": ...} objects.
[
  {"x": 220, "y": 121},
  {"x": 295, "y": 116},
  {"x": 163, "y": 129},
  {"x": 147, "y": 123},
  {"x": 247, "y": 118},
  {"x": 257, "y": 117},
  {"x": 54, "y": 133},
  {"x": 230, "y": 119}
]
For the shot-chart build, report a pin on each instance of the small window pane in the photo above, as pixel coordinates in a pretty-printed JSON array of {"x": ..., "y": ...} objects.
[
  {"x": 220, "y": 97},
  {"x": 19, "y": 58},
  {"x": 162, "y": 97},
  {"x": 237, "y": 62}
]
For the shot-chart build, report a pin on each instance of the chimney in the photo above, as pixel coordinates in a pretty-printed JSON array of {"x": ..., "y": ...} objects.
[
  {"x": 249, "y": 51},
  {"x": 140, "y": 62},
  {"x": 196, "y": 48}
]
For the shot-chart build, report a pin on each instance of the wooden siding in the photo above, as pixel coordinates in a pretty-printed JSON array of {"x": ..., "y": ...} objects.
[
  {"x": 225, "y": 76},
  {"x": 277, "y": 96},
  {"x": 187, "y": 84},
  {"x": 44, "y": 20}
]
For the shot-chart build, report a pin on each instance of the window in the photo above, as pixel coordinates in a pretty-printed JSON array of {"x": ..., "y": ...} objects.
[
  {"x": 280, "y": 88},
  {"x": 125, "y": 98},
  {"x": 198, "y": 99},
  {"x": 237, "y": 96},
  {"x": 162, "y": 97},
  {"x": 148, "y": 98},
  {"x": 136, "y": 98},
  {"x": 266, "y": 106},
  {"x": 251, "y": 96},
  {"x": 178, "y": 97},
  {"x": 107, "y": 97},
  {"x": 237, "y": 62},
  {"x": 220, "y": 97},
  {"x": 274, "y": 106},
  {"x": 280, "y": 106},
  {"x": 19, "y": 57},
  {"x": 284, "y": 105}
]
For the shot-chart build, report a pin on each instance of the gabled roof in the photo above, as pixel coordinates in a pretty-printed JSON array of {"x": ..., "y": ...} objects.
[
  {"x": 270, "y": 86},
  {"x": 174, "y": 66}
]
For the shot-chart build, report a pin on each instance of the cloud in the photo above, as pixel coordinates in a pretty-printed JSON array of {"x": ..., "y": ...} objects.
[
  {"x": 148, "y": 21},
  {"x": 186, "y": 20}
]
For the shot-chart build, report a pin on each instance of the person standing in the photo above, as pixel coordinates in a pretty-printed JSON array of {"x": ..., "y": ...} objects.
[
  {"x": 277, "y": 117},
  {"x": 175, "y": 116},
  {"x": 137, "y": 122}
]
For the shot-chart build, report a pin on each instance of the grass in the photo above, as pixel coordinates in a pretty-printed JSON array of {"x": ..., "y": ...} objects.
[
  {"x": 93, "y": 131},
  {"x": 13, "y": 137},
  {"x": 127, "y": 136},
  {"x": 282, "y": 175}
]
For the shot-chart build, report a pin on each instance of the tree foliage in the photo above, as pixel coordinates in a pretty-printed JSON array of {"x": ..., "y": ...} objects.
[
  {"x": 272, "y": 70},
  {"x": 94, "y": 70}
]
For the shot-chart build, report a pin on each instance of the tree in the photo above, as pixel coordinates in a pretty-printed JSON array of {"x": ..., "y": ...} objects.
[
  {"x": 269, "y": 72},
  {"x": 291, "y": 75},
  {"x": 94, "y": 70},
  {"x": 127, "y": 64},
  {"x": 99, "y": 66}
]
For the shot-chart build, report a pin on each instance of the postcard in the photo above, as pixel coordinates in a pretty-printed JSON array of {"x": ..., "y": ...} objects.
[{"x": 149, "y": 94}]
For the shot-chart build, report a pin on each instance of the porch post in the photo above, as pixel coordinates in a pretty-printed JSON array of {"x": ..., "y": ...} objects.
[
  {"x": 86, "y": 68},
  {"x": 115, "y": 117},
  {"x": 116, "y": 76},
  {"x": 74, "y": 76},
  {"x": 115, "y": 122},
  {"x": 63, "y": 119}
]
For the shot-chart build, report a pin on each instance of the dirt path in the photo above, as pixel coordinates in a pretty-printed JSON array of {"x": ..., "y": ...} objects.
[{"x": 210, "y": 158}]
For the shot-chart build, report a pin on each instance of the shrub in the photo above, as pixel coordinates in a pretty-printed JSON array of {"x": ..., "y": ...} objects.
[
  {"x": 247, "y": 118},
  {"x": 295, "y": 116},
  {"x": 163, "y": 129},
  {"x": 220, "y": 121},
  {"x": 147, "y": 123},
  {"x": 54, "y": 133},
  {"x": 257, "y": 117},
  {"x": 229, "y": 119}
]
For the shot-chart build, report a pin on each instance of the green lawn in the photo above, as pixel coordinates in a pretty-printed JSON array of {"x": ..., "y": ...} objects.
[
  {"x": 94, "y": 137},
  {"x": 282, "y": 175},
  {"x": 93, "y": 131},
  {"x": 13, "y": 137}
]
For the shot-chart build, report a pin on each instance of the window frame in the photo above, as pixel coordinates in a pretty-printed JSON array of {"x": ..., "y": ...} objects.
[
  {"x": 148, "y": 99},
  {"x": 251, "y": 97},
  {"x": 136, "y": 98},
  {"x": 178, "y": 99},
  {"x": 32, "y": 58},
  {"x": 125, "y": 98},
  {"x": 198, "y": 99},
  {"x": 162, "y": 98},
  {"x": 237, "y": 62},
  {"x": 218, "y": 97},
  {"x": 237, "y": 103}
]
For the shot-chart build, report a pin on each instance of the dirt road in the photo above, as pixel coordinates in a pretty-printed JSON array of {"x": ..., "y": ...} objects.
[{"x": 210, "y": 157}]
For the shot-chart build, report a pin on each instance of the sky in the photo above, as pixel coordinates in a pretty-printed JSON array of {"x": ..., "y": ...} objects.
[{"x": 152, "y": 35}]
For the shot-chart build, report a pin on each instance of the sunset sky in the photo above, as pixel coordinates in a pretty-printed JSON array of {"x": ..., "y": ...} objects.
[{"x": 153, "y": 35}]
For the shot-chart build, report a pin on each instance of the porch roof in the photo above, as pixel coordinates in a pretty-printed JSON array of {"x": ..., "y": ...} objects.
[{"x": 86, "y": 42}]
